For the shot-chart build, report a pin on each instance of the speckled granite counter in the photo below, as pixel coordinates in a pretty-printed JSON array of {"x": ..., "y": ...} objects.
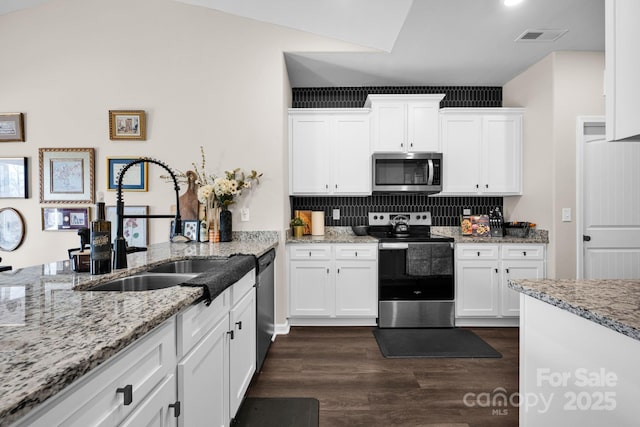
[
  {"x": 333, "y": 235},
  {"x": 52, "y": 332},
  {"x": 345, "y": 235},
  {"x": 535, "y": 236},
  {"x": 614, "y": 304}
]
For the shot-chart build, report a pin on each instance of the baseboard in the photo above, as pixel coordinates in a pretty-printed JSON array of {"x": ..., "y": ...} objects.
[
  {"x": 323, "y": 321},
  {"x": 281, "y": 329},
  {"x": 487, "y": 322}
]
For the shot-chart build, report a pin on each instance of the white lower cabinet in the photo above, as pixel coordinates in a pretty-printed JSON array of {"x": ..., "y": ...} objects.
[
  {"x": 333, "y": 284},
  {"x": 193, "y": 370},
  {"x": 215, "y": 372},
  {"x": 133, "y": 385},
  {"x": 483, "y": 272}
]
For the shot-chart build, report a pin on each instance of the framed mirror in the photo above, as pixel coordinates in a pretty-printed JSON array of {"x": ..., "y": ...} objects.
[{"x": 11, "y": 229}]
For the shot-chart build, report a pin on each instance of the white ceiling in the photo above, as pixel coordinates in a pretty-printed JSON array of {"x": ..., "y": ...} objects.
[{"x": 417, "y": 42}]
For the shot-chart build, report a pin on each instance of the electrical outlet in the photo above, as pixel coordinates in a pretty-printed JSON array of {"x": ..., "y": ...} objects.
[
  {"x": 336, "y": 214},
  {"x": 244, "y": 214},
  {"x": 466, "y": 211},
  {"x": 566, "y": 214}
]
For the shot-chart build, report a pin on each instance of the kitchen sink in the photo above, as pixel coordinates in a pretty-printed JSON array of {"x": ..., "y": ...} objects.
[
  {"x": 188, "y": 266},
  {"x": 144, "y": 282}
]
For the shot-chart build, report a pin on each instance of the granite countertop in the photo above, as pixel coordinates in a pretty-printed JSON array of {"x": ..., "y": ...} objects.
[
  {"x": 53, "y": 331},
  {"x": 346, "y": 235},
  {"x": 614, "y": 304}
]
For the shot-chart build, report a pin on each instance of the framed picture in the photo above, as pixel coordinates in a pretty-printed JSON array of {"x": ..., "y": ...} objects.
[
  {"x": 127, "y": 124},
  {"x": 66, "y": 175},
  {"x": 11, "y": 127},
  {"x": 13, "y": 177},
  {"x": 135, "y": 179},
  {"x": 55, "y": 219},
  {"x": 135, "y": 229},
  {"x": 191, "y": 229},
  {"x": 11, "y": 229}
]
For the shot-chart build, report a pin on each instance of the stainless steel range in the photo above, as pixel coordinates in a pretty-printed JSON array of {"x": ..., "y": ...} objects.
[{"x": 416, "y": 287}]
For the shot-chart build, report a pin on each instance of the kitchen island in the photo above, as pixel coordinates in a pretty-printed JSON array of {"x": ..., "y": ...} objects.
[
  {"x": 579, "y": 352},
  {"x": 53, "y": 331}
]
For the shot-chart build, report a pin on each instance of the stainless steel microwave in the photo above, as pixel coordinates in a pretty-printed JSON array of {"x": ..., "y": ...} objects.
[{"x": 407, "y": 172}]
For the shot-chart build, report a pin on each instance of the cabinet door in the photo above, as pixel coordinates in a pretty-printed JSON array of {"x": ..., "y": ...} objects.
[
  {"x": 389, "y": 126},
  {"x": 510, "y": 304},
  {"x": 622, "y": 67},
  {"x": 422, "y": 126},
  {"x": 309, "y": 154},
  {"x": 351, "y": 157},
  {"x": 155, "y": 410},
  {"x": 242, "y": 349},
  {"x": 502, "y": 158},
  {"x": 461, "y": 153},
  {"x": 203, "y": 380},
  {"x": 310, "y": 289},
  {"x": 356, "y": 285},
  {"x": 477, "y": 288}
]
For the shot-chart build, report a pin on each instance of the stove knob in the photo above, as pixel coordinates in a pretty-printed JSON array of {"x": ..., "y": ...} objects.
[
  {"x": 375, "y": 217},
  {"x": 424, "y": 217},
  {"x": 381, "y": 216}
]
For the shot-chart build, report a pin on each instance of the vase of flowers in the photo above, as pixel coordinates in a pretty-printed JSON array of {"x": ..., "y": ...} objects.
[{"x": 218, "y": 193}]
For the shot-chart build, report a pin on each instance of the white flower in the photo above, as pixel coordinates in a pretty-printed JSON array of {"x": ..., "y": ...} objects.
[{"x": 204, "y": 192}]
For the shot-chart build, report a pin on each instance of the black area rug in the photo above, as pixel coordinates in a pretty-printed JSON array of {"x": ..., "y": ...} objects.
[
  {"x": 278, "y": 412},
  {"x": 417, "y": 343}
]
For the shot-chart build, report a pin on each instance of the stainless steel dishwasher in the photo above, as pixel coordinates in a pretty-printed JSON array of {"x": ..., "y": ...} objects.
[{"x": 265, "y": 318}]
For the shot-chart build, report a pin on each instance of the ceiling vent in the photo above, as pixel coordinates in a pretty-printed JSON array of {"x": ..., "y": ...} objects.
[{"x": 540, "y": 35}]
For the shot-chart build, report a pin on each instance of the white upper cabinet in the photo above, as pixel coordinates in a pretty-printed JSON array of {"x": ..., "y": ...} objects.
[
  {"x": 622, "y": 61},
  {"x": 329, "y": 152},
  {"x": 404, "y": 123},
  {"x": 482, "y": 151}
]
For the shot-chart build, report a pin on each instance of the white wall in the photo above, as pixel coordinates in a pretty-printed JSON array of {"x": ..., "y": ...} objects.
[
  {"x": 555, "y": 91},
  {"x": 203, "y": 77}
]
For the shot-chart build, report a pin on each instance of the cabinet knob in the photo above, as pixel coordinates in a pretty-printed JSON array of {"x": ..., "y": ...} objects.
[
  {"x": 496, "y": 270},
  {"x": 239, "y": 325},
  {"x": 507, "y": 270},
  {"x": 309, "y": 253},
  {"x": 486, "y": 186},
  {"x": 411, "y": 145},
  {"x": 176, "y": 408},
  {"x": 230, "y": 333},
  {"x": 478, "y": 253},
  {"x": 327, "y": 271},
  {"x": 127, "y": 392},
  {"x": 524, "y": 253},
  {"x": 356, "y": 253},
  {"x": 401, "y": 144},
  {"x": 336, "y": 186},
  {"x": 338, "y": 271},
  {"x": 326, "y": 186}
]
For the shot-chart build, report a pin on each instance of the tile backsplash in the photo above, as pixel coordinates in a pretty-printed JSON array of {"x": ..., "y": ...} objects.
[
  {"x": 354, "y": 97},
  {"x": 445, "y": 211}
]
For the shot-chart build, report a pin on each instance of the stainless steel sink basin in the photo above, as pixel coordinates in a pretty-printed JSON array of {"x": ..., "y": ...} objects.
[
  {"x": 187, "y": 266},
  {"x": 143, "y": 282}
]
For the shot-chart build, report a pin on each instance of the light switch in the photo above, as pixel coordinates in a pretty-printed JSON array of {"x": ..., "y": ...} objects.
[
  {"x": 336, "y": 214},
  {"x": 566, "y": 214}
]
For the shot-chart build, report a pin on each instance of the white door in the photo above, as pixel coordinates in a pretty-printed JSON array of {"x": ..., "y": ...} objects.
[
  {"x": 422, "y": 126},
  {"x": 242, "y": 349},
  {"x": 501, "y": 166},
  {"x": 310, "y": 151},
  {"x": 477, "y": 288},
  {"x": 356, "y": 288},
  {"x": 461, "y": 152},
  {"x": 351, "y": 158},
  {"x": 514, "y": 270},
  {"x": 389, "y": 126},
  {"x": 610, "y": 197},
  {"x": 310, "y": 289}
]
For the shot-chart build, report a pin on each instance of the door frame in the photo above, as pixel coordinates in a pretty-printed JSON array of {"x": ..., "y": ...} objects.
[{"x": 581, "y": 137}]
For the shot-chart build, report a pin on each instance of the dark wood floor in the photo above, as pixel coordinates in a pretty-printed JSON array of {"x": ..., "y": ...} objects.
[{"x": 356, "y": 386}]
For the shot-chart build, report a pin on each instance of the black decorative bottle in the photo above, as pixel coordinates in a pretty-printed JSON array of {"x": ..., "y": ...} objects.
[
  {"x": 100, "y": 240},
  {"x": 225, "y": 225}
]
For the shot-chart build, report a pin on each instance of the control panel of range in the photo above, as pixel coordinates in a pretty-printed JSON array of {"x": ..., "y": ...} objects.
[{"x": 411, "y": 218}]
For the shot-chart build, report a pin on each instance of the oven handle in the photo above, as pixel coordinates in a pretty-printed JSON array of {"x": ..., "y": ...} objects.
[{"x": 401, "y": 246}]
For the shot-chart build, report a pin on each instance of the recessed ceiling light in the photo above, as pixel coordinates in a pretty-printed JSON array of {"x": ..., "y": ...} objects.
[{"x": 512, "y": 2}]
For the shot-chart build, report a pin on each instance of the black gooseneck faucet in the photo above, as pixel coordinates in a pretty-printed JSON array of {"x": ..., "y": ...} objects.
[{"x": 120, "y": 244}]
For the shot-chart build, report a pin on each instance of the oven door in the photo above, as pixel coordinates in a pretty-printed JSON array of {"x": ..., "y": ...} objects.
[{"x": 416, "y": 284}]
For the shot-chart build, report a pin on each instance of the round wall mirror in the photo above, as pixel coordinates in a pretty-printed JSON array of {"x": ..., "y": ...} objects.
[{"x": 11, "y": 229}]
